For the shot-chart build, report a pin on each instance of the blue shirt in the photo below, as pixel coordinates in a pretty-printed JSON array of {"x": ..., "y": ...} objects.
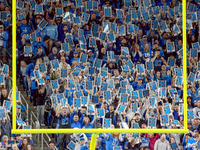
[
  {"x": 191, "y": 141},
  {"x": 36, "y": 45},
  {"x": 41, "y": 33},
  {"x": 111, "y": 141},
  {"x": 76, "y": 124},
  {"x": 83, "y": 147},
  {"x": 168, "y": 79},
  {"x": 25, "y": 29},
  {"x": 142, "y": 45},
  {"x": 136, "y": 86},
  {"x": 52, "y": 32}
]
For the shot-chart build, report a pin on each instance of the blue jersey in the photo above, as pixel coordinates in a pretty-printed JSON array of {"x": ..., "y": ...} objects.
[
  {"x": 189, "y": 143},
  {"x": 136, "y": 86},
  {"x": 112, "y": 142}
]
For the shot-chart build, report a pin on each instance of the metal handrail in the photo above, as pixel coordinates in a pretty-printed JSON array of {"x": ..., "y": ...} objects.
[
  {"x": 22, "y": 97},
  {"x": 33, "y": 120}
]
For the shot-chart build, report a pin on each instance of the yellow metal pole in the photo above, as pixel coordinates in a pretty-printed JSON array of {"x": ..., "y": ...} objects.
[
  {"x": 93, "y": 141},
  {"x": 14, "y": 63},
  {"x": 36, "y": 131},
  {"x": 184, "y": 63}
]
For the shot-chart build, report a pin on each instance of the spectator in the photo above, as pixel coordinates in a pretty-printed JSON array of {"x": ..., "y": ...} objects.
[
  {"x": 51, "y": 145},
  {"x": 162, "y": 143}
]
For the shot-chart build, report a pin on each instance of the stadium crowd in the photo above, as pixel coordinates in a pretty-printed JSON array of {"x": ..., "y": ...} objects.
[{"x": 103, "y": 64}]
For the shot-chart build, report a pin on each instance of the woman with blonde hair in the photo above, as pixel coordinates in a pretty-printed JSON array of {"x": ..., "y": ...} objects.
[
  {"x": 146, "y": 53},
  {"x": 136, "y": 54},
  {"x": 15, "y": 147},
  {"x": 133, "y": 146},
  {"x": 74, "y": 64},
  {"x": 88, "y": 125},
  {"x": 5, "y": 140}
]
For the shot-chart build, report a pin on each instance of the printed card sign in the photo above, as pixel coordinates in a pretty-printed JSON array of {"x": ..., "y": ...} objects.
[
  {"x": 2, "y": 113},
  {"x": 7, "y": 105},
  {"x": 107, "y": 11},
  {"x": 164, "y": 120},
  {"x": 170, "y": 47},
  {"x": 54, "y": 64},
  {"x": 121, "y": 108},
  {"x": 54, "y": 84},
  {"x": 38, "y": 9},
  {"x": 152, "y": 122},
  {"x": 43, "y": 24},
  {"x": 101, "y": 113},
  {"x": 106, "y": 123},
  {"x": 27, "y": 51}
]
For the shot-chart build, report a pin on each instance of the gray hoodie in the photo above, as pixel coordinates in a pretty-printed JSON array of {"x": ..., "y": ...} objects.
[{"x": 6, "y": 129}]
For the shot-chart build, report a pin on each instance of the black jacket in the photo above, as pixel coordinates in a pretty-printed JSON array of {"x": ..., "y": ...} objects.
[
  {"x": 40, "y": 98},
  {"x": 111, "y": 115}
]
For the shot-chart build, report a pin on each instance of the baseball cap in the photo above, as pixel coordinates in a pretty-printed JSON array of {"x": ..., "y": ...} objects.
[
  {"x": 144, "y": 36},
  {"x": 89, "y": 50},
  {"x": 137, "y": 113},
  {"x": 54, "y": 48},
  {"x": 61, "y": 51},
  {"x": 119, "y": 21},
  {"x": 78, "y": 9},
  {"x": 118, "y": 119},
  {"x": 139, "y": 78},
  {"x": 82, "y": 138},
  {"x": 110, "y": 62},
  {"x": 57, "y": 18},
  {"x": 64, "y": 106},
  {"x": 75, "y": 52},
  {"x": 151, "y": 114},
  {"x": 48, "y": 77},
  {"x": 21, "y": 33}
]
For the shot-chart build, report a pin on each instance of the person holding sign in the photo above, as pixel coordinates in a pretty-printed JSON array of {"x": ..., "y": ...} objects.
[
  {"x": 40, "y": 101},
  {"x": 64, "y": 122},
  {"x": 113, "y": 139}
]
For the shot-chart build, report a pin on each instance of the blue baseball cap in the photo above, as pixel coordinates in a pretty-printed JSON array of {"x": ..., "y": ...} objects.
[
  {"x": 48, "y": 77},
  {"x": 82, "y": 138},
  {"x": 27, "y": 36},
  {"x": 139, "y": 78},
  {"x": 23, "y": 33},
  {"x": 119, "y": 21},
  {"x": 75, "y": 52},
  {"x": 111, "y": 62}
]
